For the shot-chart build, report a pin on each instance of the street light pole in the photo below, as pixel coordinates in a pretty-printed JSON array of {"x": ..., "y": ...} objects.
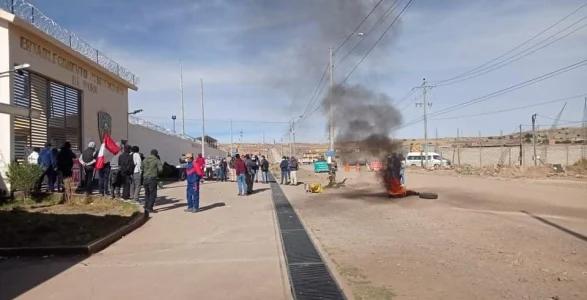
[
  {"x": 173, "y": 118},
  {"x": 202, "y": 102},
  {"x": 181, "y": 97}
]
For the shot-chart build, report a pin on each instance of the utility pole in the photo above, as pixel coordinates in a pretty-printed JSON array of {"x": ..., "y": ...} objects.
[
  {"x": 281, "y": 147},
  {"x": 521, "y": 147},
  {"x": 181, "y": 96},
  {"x": 331, "y": 100},
  {"x": 584, "y": 125},
  {"x": 480, "y": 150},
  {"x": 424, "y": 105},
  {"x": 241, "y": 137},
  {"x": 459, "y": 146},
  {"x": 203, "y": 129},
  {"x": 231, "y": 147},
  {"x": 534, "y": 138}
]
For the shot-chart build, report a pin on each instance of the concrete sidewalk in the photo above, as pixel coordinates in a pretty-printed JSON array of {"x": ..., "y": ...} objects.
[{"x": 229, "y": 251}]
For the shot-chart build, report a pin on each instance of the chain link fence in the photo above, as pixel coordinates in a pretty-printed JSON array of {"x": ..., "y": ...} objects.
[{"x": 29, "y": 13}]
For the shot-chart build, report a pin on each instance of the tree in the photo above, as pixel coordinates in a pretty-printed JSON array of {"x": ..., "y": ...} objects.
[{"x": 23, "y": 177}]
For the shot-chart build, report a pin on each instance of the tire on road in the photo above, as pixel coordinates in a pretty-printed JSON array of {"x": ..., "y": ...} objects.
[{"x": 428, "y": 195}]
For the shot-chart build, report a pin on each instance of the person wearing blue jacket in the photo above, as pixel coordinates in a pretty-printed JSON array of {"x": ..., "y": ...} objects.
[{"x": 47, "y": 161}]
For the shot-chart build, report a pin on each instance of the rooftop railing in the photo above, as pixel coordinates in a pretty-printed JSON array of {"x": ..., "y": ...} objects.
[
  {"x": 138, "y": 121},
  {"x": 35, "y": 17}
]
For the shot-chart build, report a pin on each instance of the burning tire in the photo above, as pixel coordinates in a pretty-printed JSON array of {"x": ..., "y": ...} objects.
[{"x": 428, "y": 195}]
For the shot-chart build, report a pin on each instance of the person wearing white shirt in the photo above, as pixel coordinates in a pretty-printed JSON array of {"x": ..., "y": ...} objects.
[
  {"x": 33, "y": 158},
  {"x": 135, "y": 185}
]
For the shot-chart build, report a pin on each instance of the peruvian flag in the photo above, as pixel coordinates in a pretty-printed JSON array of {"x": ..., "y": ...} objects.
[{"x": 107, "y": 151}]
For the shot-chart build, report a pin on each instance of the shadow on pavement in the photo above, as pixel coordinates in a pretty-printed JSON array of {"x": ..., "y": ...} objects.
[
  {"x": 561, "y": 228},
  {"x": 35, "y": 229},
  {"x": 18, "y": 276},
  {"x": 257, "y": 191},
  {"x": 164, "y": 200},
  {"x": 212, "y": 206}
]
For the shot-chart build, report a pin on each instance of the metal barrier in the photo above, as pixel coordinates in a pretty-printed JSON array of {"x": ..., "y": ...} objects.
[
  {"x": 29, "y": 13},
  {"x": 137, "y": 121}
]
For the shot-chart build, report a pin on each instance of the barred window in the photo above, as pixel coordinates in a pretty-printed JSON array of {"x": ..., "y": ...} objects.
[{"x": 60, "y": 107}]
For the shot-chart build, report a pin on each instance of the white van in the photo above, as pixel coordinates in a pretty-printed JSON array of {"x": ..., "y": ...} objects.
[{"x": 415, "y": 159}]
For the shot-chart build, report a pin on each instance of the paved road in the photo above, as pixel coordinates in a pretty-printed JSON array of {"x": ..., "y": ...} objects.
[
  {"x": 230, "y": 251},
  {"x": 482, "y": 239}
]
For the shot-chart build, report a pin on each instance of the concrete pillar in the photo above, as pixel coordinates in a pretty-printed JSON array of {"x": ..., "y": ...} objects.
[{"x": 7, "y": 133}]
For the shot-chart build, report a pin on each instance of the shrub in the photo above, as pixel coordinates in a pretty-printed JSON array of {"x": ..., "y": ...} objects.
[{"x": 23, "y": 177}]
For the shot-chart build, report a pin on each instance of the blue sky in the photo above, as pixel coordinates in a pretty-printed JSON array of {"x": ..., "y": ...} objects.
[{"x": 247, "y": 53}]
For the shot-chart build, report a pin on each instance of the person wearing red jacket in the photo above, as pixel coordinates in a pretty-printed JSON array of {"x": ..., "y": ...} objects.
[
  {"x": 202, "y": 162},
  {"x": 241, "y": 175},
  {"x": 194, "y": 173}
]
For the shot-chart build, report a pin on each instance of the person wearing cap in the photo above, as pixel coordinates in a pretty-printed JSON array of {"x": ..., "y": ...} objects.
[
  {"x": 88, "y": 160},
  {"x": 151, "y": 167},
  {"x": 47, "y": 161},
  {"x": 194, "y": 173}
]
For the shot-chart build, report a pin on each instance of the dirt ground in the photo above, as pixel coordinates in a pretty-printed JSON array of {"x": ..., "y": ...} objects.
[{"x": 481, "y": 239}]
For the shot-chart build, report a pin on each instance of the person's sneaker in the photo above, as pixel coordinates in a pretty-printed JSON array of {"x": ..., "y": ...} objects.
[
  {"x": 151, "y": 211},
  {"x": 196, "y": 210},
  {"x": 189, "y": 210}
]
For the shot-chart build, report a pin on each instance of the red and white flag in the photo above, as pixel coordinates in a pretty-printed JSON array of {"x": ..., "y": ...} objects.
[{"x": 107, "y": 151}]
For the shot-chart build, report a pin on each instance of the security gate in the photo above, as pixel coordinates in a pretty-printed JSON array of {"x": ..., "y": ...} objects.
[{"x": 60, "y": 107}]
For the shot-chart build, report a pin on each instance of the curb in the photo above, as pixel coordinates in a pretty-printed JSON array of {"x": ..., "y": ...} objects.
[{"x": 86, "y": 250}]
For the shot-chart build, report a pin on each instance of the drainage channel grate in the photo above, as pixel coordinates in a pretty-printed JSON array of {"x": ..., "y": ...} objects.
[{"x": 309, "y": 276}]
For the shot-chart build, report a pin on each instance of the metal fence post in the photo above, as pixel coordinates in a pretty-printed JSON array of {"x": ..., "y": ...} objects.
[
  {"x": 567, "y": 153},
  {"x": 12, "y": 7},
  {"x": 32, "y": 14},
  {"x": 510, "y": 156}
]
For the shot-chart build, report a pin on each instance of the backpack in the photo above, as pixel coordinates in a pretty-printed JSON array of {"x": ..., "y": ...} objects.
[{"x": 127, "y": 165}]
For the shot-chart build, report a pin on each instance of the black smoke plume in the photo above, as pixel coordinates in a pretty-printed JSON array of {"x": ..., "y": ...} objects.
[{"x": 363, "y": 123}]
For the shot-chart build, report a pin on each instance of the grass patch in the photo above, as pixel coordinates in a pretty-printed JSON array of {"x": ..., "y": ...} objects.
[
  {"x": 51, "y": 222},
  {"x": 370, "y": 292},
  {"x": 362, "y": 288}
]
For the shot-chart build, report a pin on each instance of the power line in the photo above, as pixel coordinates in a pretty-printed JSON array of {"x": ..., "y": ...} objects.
[
  {"x": 217, "y": 120},
  {"x": 506, "y": 62},
  {"x": 385, "y": 16},
  {"x": 314, "y": 96},
  {"x": 502, "y": 91},
  {"x": 513, "y": 87},
  {"x": 551, "y": 118},
  {"x": 359, "y": 26},
  {"x": 512, "y": 50},
  {"x": 510, "y": 109},
  {"x": 378, "y": 40}
]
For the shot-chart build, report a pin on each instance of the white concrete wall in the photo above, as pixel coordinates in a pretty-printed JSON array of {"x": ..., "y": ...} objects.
[
  {"x": 6, "y": 132},
  {"x": 552, "y": 154},
  {"x": 170, "y": 147}
]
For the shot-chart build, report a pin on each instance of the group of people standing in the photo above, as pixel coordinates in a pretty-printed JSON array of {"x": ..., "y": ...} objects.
[
  {"x": 122, "y": 177},
  {"x": 246, "y": 172},
  {"x": 56, "y": 164},
  {"x": 289, "y": 170}
]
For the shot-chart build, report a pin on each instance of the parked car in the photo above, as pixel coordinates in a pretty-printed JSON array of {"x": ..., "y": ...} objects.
[{"x": 415, "y": 159}]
